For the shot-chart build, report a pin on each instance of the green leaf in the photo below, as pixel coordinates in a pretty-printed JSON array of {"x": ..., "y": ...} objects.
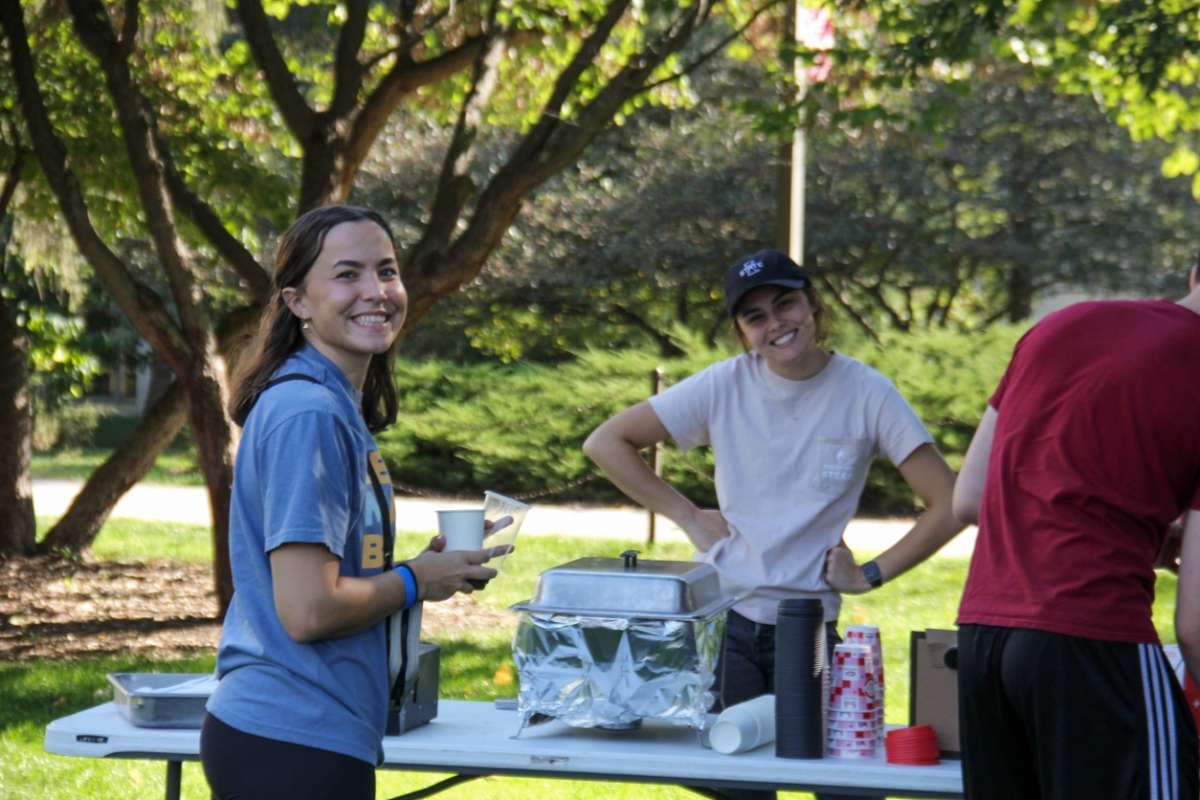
[{"x": 1182, "y": 161}]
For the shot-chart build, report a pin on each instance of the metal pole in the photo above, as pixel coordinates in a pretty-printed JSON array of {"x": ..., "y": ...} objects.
[
  {"x": 799, "y": 147},
  {"x": 655, "y": 461},
  {"x": 174, "y": 779}
]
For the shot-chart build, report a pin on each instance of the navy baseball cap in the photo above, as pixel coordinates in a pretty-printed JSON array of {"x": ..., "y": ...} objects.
[{"x": 764, "y": 268}]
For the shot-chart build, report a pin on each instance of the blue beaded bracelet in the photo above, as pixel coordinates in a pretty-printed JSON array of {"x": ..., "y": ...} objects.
[{"x": 410, "y": 584}]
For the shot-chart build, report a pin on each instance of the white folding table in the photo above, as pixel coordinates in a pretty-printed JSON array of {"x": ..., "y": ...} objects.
[{"x": 474, "y": 739}]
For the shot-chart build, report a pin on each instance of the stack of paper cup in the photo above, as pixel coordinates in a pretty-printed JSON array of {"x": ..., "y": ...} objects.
[
  {"x": 855, "y": 715},
  {"x": 869, "y": 635},
  {"x": 744, "y": 726}
]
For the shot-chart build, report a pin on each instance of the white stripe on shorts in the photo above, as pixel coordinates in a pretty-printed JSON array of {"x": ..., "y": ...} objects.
[{"x": 1160, "y": 722}]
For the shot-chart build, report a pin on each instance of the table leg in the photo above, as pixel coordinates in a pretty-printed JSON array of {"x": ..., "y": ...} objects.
[
  {"x": 174, "y": 779},
  {"x": 705, "y": 791},
  {"x": 440, "y": 786}
]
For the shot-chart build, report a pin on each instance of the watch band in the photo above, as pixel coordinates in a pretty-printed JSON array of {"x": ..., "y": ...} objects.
[{"x": 870, "y": 571}]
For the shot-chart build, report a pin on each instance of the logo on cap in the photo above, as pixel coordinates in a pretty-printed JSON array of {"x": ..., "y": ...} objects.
[{"x": 751, "y": 268}]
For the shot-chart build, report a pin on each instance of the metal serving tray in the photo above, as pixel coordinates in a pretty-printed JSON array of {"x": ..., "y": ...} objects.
[
  {"x": 162, "y": 700},
  {"x": 629, "y": 588}
]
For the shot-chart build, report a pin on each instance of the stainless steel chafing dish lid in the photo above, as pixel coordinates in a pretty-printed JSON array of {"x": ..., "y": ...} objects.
[{"x": 627, "y": 587}]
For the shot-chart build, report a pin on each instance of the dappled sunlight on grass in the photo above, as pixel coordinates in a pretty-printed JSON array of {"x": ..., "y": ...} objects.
[
  {"x": 130, "y": 540},
  {"x": 476, "y": 664},
  {"x": 147, "y": 540}
]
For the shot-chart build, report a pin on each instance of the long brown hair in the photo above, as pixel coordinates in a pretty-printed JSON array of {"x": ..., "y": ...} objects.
[{"x": 279, "y": 329}]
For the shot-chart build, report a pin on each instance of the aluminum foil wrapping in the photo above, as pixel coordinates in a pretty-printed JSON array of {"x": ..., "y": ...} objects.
[{"x": 613, "y": 672}]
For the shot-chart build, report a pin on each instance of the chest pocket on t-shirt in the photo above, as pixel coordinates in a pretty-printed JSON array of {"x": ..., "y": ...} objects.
[{"x": 840, "y": 463}]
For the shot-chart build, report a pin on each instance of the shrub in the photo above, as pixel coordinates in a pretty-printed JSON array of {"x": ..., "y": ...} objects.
[
  {"x": 519, "y": 429},
  {"x": 946, "y": 376},
  {"x": 75, "y": 425}
]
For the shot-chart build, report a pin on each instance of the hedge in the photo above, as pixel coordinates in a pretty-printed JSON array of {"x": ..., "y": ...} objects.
[{"x": 519, "y": 429}]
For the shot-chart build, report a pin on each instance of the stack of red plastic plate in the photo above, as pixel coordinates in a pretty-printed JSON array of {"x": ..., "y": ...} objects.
[{"x": 915, "y": 745}]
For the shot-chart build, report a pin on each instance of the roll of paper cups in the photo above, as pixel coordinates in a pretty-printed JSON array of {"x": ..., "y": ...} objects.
[{"x": 744, "y": 726}]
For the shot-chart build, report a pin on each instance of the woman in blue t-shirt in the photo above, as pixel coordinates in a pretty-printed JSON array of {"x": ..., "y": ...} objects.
[{"x": 303, "y": 663}]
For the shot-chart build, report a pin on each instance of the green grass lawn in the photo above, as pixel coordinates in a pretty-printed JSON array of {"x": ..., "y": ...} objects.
[
  {"x": 36, "y": 692},
  {"x": 176, "y": 467}
]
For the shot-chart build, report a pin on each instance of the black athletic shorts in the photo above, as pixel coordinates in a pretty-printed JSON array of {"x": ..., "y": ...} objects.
[
  {"x": 241, "y": 766},
  {"x": 1043, "y": 716}
]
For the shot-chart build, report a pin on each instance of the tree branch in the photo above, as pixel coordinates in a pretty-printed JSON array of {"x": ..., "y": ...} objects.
[
  {"x": 144, "y": 308},
  {"x": 401, "y": 81},
  {"x": 550, "y": 146},
  {"x": 11, "y": 179},
  {"x": 129, "y": 27},
  {"x": 229, "y": 247},
  {"x": 627, "y": 83},
  {"x": 551, "y": 118},
  {"x": 300, "y": 119},
  {"x": 875, "y": 293},
  {"x": 405, "y": 78},
  {"x": 347, "y": 72},
  {"x": 714, "y": 50},
  {"x": 852, "y": 312},
  {"x": 666, "y": 347},
  {"x": 455, "y": 187},
  {"x": 141, "y": 144}
]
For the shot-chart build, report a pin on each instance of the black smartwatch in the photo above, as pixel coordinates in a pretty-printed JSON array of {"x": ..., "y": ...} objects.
[{"x": 870, "y": 571}]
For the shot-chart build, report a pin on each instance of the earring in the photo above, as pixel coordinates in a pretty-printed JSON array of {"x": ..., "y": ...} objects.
[{"x": 304, "y": 325}]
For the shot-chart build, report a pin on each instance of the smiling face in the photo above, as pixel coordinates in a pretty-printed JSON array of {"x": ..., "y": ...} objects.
[
  {"x": 778, "y": 323},
  {"x": 352, "y": 297}
]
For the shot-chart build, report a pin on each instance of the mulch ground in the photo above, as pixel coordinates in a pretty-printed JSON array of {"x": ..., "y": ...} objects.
[{"x": 59, "y": 609}]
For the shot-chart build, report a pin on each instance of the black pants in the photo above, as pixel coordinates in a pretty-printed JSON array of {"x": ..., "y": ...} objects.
[
  {"x": 1043, "y": 716},
  {"x": 746, "y": 669},
  {"x": 241, "y": 766}
]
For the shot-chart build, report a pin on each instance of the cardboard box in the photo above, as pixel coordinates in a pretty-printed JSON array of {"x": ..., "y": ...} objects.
[{"x": 933, "y": 685}]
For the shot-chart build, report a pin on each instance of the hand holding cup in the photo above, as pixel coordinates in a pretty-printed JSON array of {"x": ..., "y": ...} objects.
[{"x": 464, "y": 529}]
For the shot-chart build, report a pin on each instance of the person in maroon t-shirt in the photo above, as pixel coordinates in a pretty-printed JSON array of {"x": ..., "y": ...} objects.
[{"x": 1088, "y": 452}]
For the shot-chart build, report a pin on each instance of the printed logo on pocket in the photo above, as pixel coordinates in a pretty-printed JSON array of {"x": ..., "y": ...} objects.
[{"x": 842, "y": 466}]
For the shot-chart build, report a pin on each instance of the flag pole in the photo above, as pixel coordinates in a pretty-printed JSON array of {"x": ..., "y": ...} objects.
[{"x": 799, "y": 155}]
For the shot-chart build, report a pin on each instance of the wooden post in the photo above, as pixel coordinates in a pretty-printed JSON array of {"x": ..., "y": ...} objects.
[{"x": 655, "y": 461}]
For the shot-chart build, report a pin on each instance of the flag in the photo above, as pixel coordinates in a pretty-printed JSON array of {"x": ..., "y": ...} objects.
[{"x": 814, "y": 31}]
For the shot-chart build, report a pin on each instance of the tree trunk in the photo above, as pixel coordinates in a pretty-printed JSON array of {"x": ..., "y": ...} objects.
[
  {"x": 18, "y": 531},
  {"x": 203, "y": 403},
  {"x": 129, "y": 463},
  {"x": 215, "y": 443},
  {"x": 78, "y": 527},
  {"x": 1020, "y": 294}
]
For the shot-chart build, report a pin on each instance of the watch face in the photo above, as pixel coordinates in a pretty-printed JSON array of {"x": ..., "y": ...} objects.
[{"x": 871, "y": 572}]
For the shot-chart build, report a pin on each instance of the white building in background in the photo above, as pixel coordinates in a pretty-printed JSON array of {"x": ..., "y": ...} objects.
[{"x": 129, "y": 383}]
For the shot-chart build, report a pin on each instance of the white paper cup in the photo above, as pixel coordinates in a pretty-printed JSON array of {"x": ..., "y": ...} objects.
[
  {"x": 463, "y": 528},
  {"x": 744, "y": 726}
]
